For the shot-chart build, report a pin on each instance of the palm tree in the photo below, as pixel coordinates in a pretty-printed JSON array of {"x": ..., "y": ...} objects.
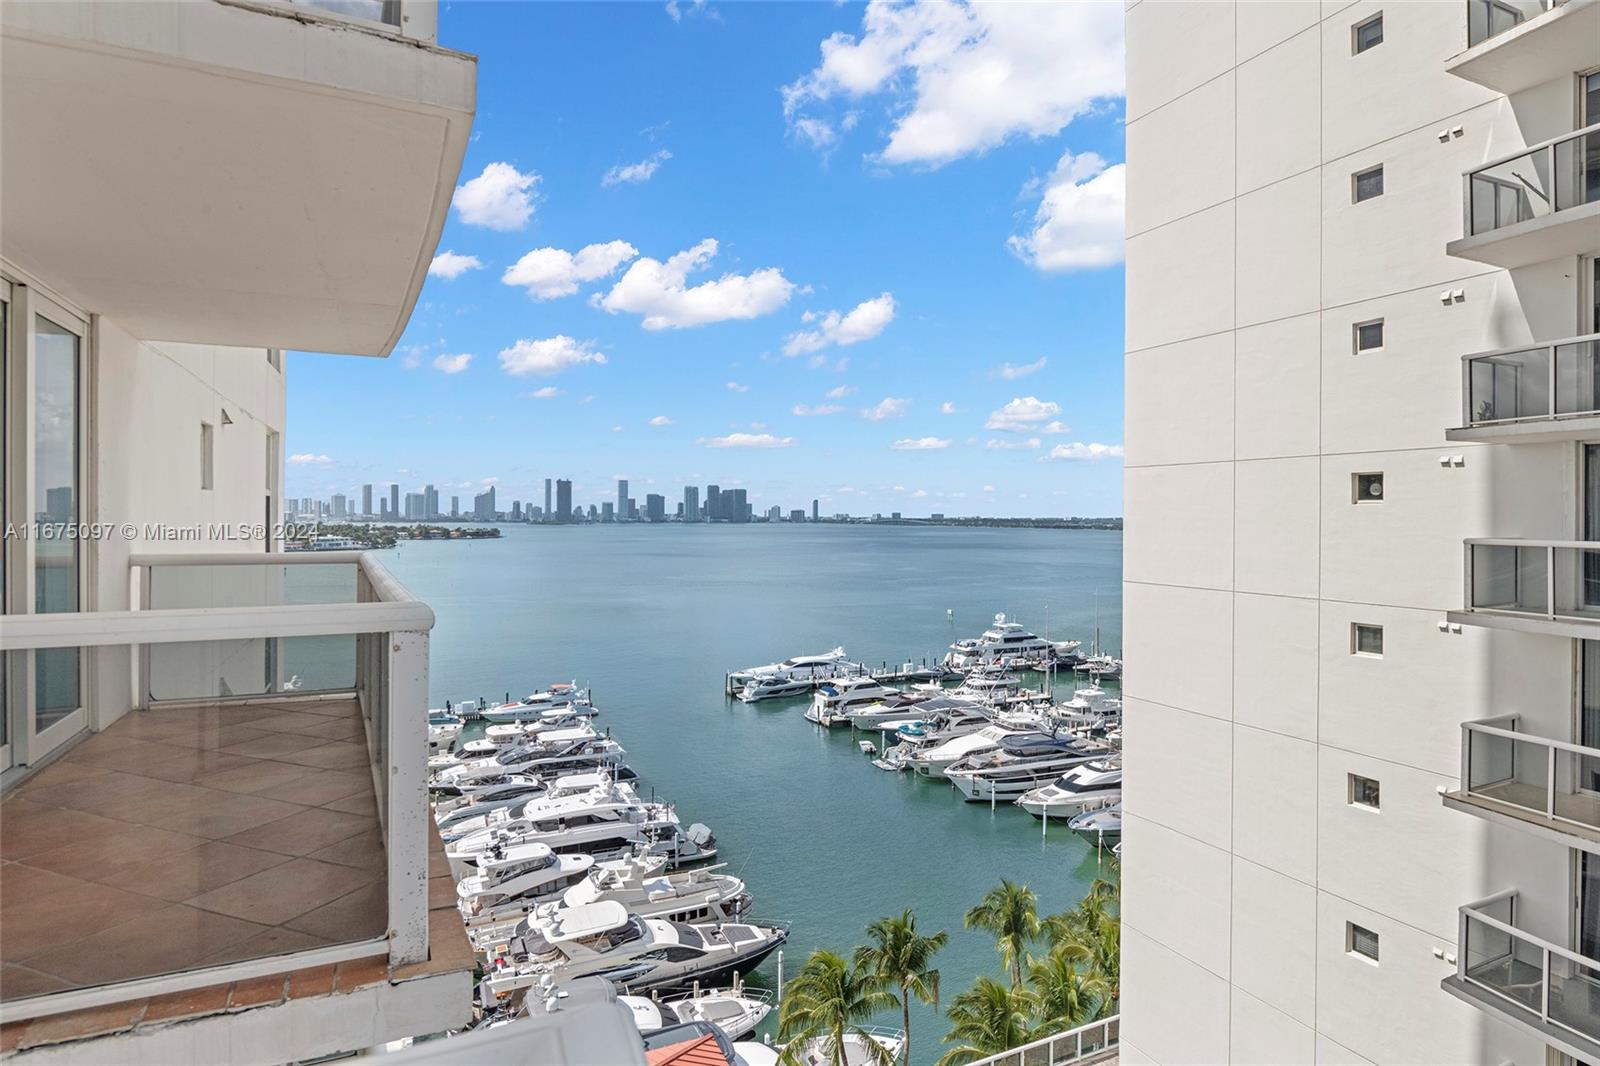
[
  {"x": 902, "y": 957},
  {"x": 1010, "y": 912},
  {"x": 827, "y": 1001},
  {"x": 1063, "y": 998},
  {"x": 1091, "y": 933},
  {"x": 988, "y": 1018}
]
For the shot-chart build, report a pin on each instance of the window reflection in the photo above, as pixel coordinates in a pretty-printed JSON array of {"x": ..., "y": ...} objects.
[{"x": 55, "y": 443}]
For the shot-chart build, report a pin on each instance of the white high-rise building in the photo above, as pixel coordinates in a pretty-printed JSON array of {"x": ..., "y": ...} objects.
[{"x": 1362, "y": 571}]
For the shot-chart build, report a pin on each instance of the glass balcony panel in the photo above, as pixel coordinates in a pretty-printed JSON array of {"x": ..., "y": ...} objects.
[
  {"x": 1504, "y": 964},
  {"x": 1515, "y": 190},
  {"x": 1510, "y": 386},
  {"x": 1508, "y": 578},
  {"x": 1577, "y": 384},
  {"x": 1577, "y": 171},
  {"x": 1489, "y": 18},
  {"x": 251, "y": 585},
  {"x": 1577, "y": 582},
  {"x": 1575, "y": 996},
  {"x": 223, "y": 669}
]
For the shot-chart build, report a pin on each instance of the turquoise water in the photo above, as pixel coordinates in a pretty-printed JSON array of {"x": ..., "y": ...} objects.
[{"x": 652, "y": 617}]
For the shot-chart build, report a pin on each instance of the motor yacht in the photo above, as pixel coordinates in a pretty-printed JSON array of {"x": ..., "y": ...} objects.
[
  {"x": 857, "y": 1049},
  {"x": 515, "y": 879},
  {"x": 799, "y": 668},
  {"x": 535, "y": 704},
  {"x": 1100, "y": 826},
  {"x": 442, "y": 738},
  {"x": 736, "y": 1011},
  {"x": 912, "y": 704},
  {"x": 559, "y": 751},
  {"x": 1004, "y": 643},
  {"x": 455, "y": 803},
  {"x": 767, "y": 688},
  {"x": 604, "y": 940},
  {"x": 933, "y": 761},
  {"x": 1019, "y": 763},
  {"x": 1090, "y": 784},
  {"x": 837, "y": 699},
  {"x": 916, "y": 738}
]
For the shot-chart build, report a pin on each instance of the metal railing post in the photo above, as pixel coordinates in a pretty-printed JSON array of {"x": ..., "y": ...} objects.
[
  {"x": 403, "y": 718},
  {"x": 1550, "y": 582},
  {"x": 1544, "y": 988},
  {"x": 1466, "y": 758},
  {"x": 1550, "y": 784}
]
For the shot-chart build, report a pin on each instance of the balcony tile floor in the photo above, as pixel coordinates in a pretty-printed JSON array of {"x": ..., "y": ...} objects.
[{"x": 184, "y": 837}]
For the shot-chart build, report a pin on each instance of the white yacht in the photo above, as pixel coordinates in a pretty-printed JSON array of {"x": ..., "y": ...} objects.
[
  {"x": 767, "y": 688},
  {"x": 453, "y": 805},
  {"x": 559, "y": 751},
  {"x": 916, "y": 738},
  {"x": 814, "y": 1052},
  {"x": 837, "y": 699},
  {"x": 935, "y": 760},
  {"x": 1002, "y": 644},
  {"x": 535, "y": 704},
  {"x": 913, "y": 704},
  {"x": 1019, "y": 763},
  {"x": 515, "y": 879},
  {"x": 799, "y": 668},
  {"x": 604, "y": 940},
  {"x": 736, "y": 1011},
  {"x": 1091, "y": 784},
  {"x": 1100, "y": 826}
]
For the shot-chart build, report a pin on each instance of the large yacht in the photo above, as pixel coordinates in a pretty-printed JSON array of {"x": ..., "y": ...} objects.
[
  {"x": 799, "y": 668},
  {"x": 517, "y": 878},
  {"x": 1090, "y": 784},
  {"x": 768, "y": 688},
  {"x": 916, "y": 738},
  {"x": 736, "y": 1011},
  {"x": 1100, "y": 826},
  {"x": 836, "y": 700},
  {"x": 933, "y": 761},
  {"x": 536, "y": 704},
  {"x": 559, "y": 751},
  {"x": 1019, "y": 763},
  {"x": 640, "y": 954},
  {"x": 1006, "y": 643}
]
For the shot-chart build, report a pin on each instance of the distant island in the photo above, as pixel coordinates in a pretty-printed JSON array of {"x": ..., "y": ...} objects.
[{"x": 374, "y": 535}]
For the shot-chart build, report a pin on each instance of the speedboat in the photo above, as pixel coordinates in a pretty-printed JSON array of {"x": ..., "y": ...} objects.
[
  {"x": 1100, "y": 826},
  {"x": 517, "y": 878},
  {"x": 604, "y": 940},
  {"x": 799, "y": 668},
  {"x": 1003, "y": 643},
  {"x": 1020, "y": 762},
  {"x": 535, "y": 704},
  {"x": 736, "y": 1011},
  {"x": 766, "y": 688},
  {"x": 1092, "y": 783},
  {"x": 935, "y": 760},
  {"x": 835, "y": 700}
]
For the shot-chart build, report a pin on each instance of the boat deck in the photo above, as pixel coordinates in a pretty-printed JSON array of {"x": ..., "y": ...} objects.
[{"x": 179, "y": 838}]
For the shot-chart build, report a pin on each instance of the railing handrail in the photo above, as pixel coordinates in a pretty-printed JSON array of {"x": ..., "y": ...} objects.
[
  {"x": 1532, "y": 148},
  {"x": 1476, "y": 913},
  {"x": 99, "y": 629},
  {"x": 1530, "y": 738},
  {"x": 1531, "y": 346},
  {"x": 1021, "y": 1049},
  {"x": 1528, "y": 542}
]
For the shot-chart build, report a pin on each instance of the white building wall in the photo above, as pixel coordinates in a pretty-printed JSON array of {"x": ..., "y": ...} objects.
[{"x": 1246, "y": 561}]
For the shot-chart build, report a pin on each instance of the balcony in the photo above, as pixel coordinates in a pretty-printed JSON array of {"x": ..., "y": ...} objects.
[
  {"x": 1536, "y": 586},
  {"x": 1542, "y": 203},
  {"x": 262, "y": 174},
  {"x": 254, "y": 834},
  {"x": 1532, "y": 394},
  {"x": 1530, "y": 983},
  {"x": 1517, "y": 44},
  {"x": 1548, "y": 787}
]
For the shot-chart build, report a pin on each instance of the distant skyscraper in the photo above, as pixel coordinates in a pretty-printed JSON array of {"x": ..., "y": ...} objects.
[
  {"x": 366, "y": 500},
  {"x": 735, "y": 507},
  {"x": 416, "y": 505},
  {"x": 516, "y": 510},
  {"x": 455, "y": 507},
  {"x": 483, "y": 507},
  {"x": 338, "y": 505},
  {"x": 655, "y": 507},
  {"x": 813, "y": 510},
  {"x": 623, "y": 508},
  {"x": 691, "y": 503},
  {"x": 608, "y": 512},
  {"x": 563, "y": 500},
  {"x": 714, "y": 504},
  {"x": 593, "y": 513},
  {"x": 546, "y": 498},
  {"x": 394, "y": 500},
  {"x": 430, "y": 502}
]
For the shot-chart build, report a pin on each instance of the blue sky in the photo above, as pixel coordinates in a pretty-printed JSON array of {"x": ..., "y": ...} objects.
[{"x": 897, "y": 283}]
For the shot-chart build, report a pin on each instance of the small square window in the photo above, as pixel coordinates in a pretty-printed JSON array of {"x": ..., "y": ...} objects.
[
  {"x": 1366, "y": 184},
  {"x": 1366, "y": 488},
  {"x": 1366, "y": 34},
  {"x": 1369, "y": 335},
  {"x": 1359, "y": 941},
  {"x": 1363, "y": 792},
  {"x": 1366, "y": 639}
]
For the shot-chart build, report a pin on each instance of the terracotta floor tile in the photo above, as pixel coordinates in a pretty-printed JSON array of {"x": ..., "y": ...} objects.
[
  {"x": 222, "y": 814},
  {"x": 82, "y": 909},
  {"x": 190, "y": 764},
  {"x": 276, "y": 940},
  {"x": 56, "y": 774},
  {"x": 360, "y": 802},
  {"x": 20, "y": 982},
  {"x": 343, "y": 728},
  {"x": 108, "y": 861},
  {"x": 273, "y": 745},
  {"x": 169, "y": 937},
  {"x": 363, "y": 850},
  {"x": 291, "y": 722},
  {"x": 255, "y": 777},
  {"x": 311, "y": 829},
  {"x": 326, "y": 708},
  {"x": 22, "y": 884},
  {"x": 359, "y": 973},
  {"x": 182, "y": 875},
  {"x": 112, "y": 751},
  {"x": 336, "y": 755},
  {"x": 353, "y": 916},
  {"x": 27, "y": 828},
  {"x": 315, "y": 981},
  {"x": 110, "y": 791},
  {"x": 276, "y": 895},
  {"x": 260, "y": 992},
  {"x": 79, "y": 1025},
  {"x": 214, "y": 737}
]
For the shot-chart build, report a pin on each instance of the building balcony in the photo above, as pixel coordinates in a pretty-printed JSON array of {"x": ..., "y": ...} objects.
[
  {"x": 1541, "y": 203},
  {"x": 1531, "y": 394},
  {"x": 1534, "y": 985},
  {"x": 1517, "y": 44},
  {"x": 238, "y": 172},
  {"x": 1547, "y": 787},
  {"x": 1536, "y": 586},
  {"x": 253, "y": 835}
]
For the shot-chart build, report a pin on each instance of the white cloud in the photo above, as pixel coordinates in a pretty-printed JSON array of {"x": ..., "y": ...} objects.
[
  {"x": 678, "y": 11},
  {"x": 888, "y": 407},
  {"x": 1089, "y": 452},
  {"x": 967, "y": 77},
  {"x": 839, "y": 392},
  {"x": 549, "y": 356},
  {"x": 551, "y": 272},
  {"x": 660, "y": 291},
  {"x": 815, "y": 132},
  {"x": 549, "y": 392},
  {"x": 449, "y": 265},
  {"x": 661, "y": 420},
  {"x": 808, "y": 411},
  {"x": 920, "y": 444},
  {"x": 452, "y": 364},
  {"x": 748, "y": 440},
  {"x": 636, "y": 173},
  {"x": 1056, "y": 428},
  {"x": 868, "y": 319},
  {"x": 948, "y": 408},
  {"x": 616, "y": 429},
  {"x": 734, "y": 386},
  {"x": 1011, "y": 372},
  {"x": 500, "y": 198},
  {"x": 1078, "y": 224},
  {"x": 1022, "y": 414},
  {"x": 310, "y": 459},
  {"x": 1012, "y": 445},
  {"x": 988, "y": 488}
]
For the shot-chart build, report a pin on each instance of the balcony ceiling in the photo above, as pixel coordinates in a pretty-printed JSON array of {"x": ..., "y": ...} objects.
[
  {"x": 1534, "y": 52},
  {"x": 228, "y": 173},
  {"x": 1574, "y": 231}
]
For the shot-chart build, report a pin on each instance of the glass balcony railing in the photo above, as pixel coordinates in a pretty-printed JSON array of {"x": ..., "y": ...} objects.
[
  {"x": 1533, "y": 778},
  {"x": 1535, "y": 383},
  {"x": 1546, "y": 179},
  {"x": 1554, "y": 580},
  {"x": 1533, "y": 980},
  {"x": 1490, "y": 18}
]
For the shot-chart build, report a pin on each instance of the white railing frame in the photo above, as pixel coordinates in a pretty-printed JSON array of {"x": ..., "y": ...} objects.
[
  {"x": 1467, "y": 421},
  {"x": 1543, "y": 146},
  {"x": 1488, "y": 727},
  {"x": 1547, "y": 949},
  {"x": 1109, "y": 1040},
  {"x": 1550, "y": 548},
  {"x": 394, "y": 616},
  {"x": 1547, "y": 6}
]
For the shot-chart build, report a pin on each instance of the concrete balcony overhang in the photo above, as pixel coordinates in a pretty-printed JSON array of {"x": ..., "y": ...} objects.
[
  {"x": 1532, "y": 431},
  {"x": 1563, "y": 1040},
  {"x": 1531, "y": 393},
  {"x": 225, "y": 172},
  {"x": 1527, "y": 782},
  {"x": 1530, "y": 54},
  {"x": 1574, "y": 231}
]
